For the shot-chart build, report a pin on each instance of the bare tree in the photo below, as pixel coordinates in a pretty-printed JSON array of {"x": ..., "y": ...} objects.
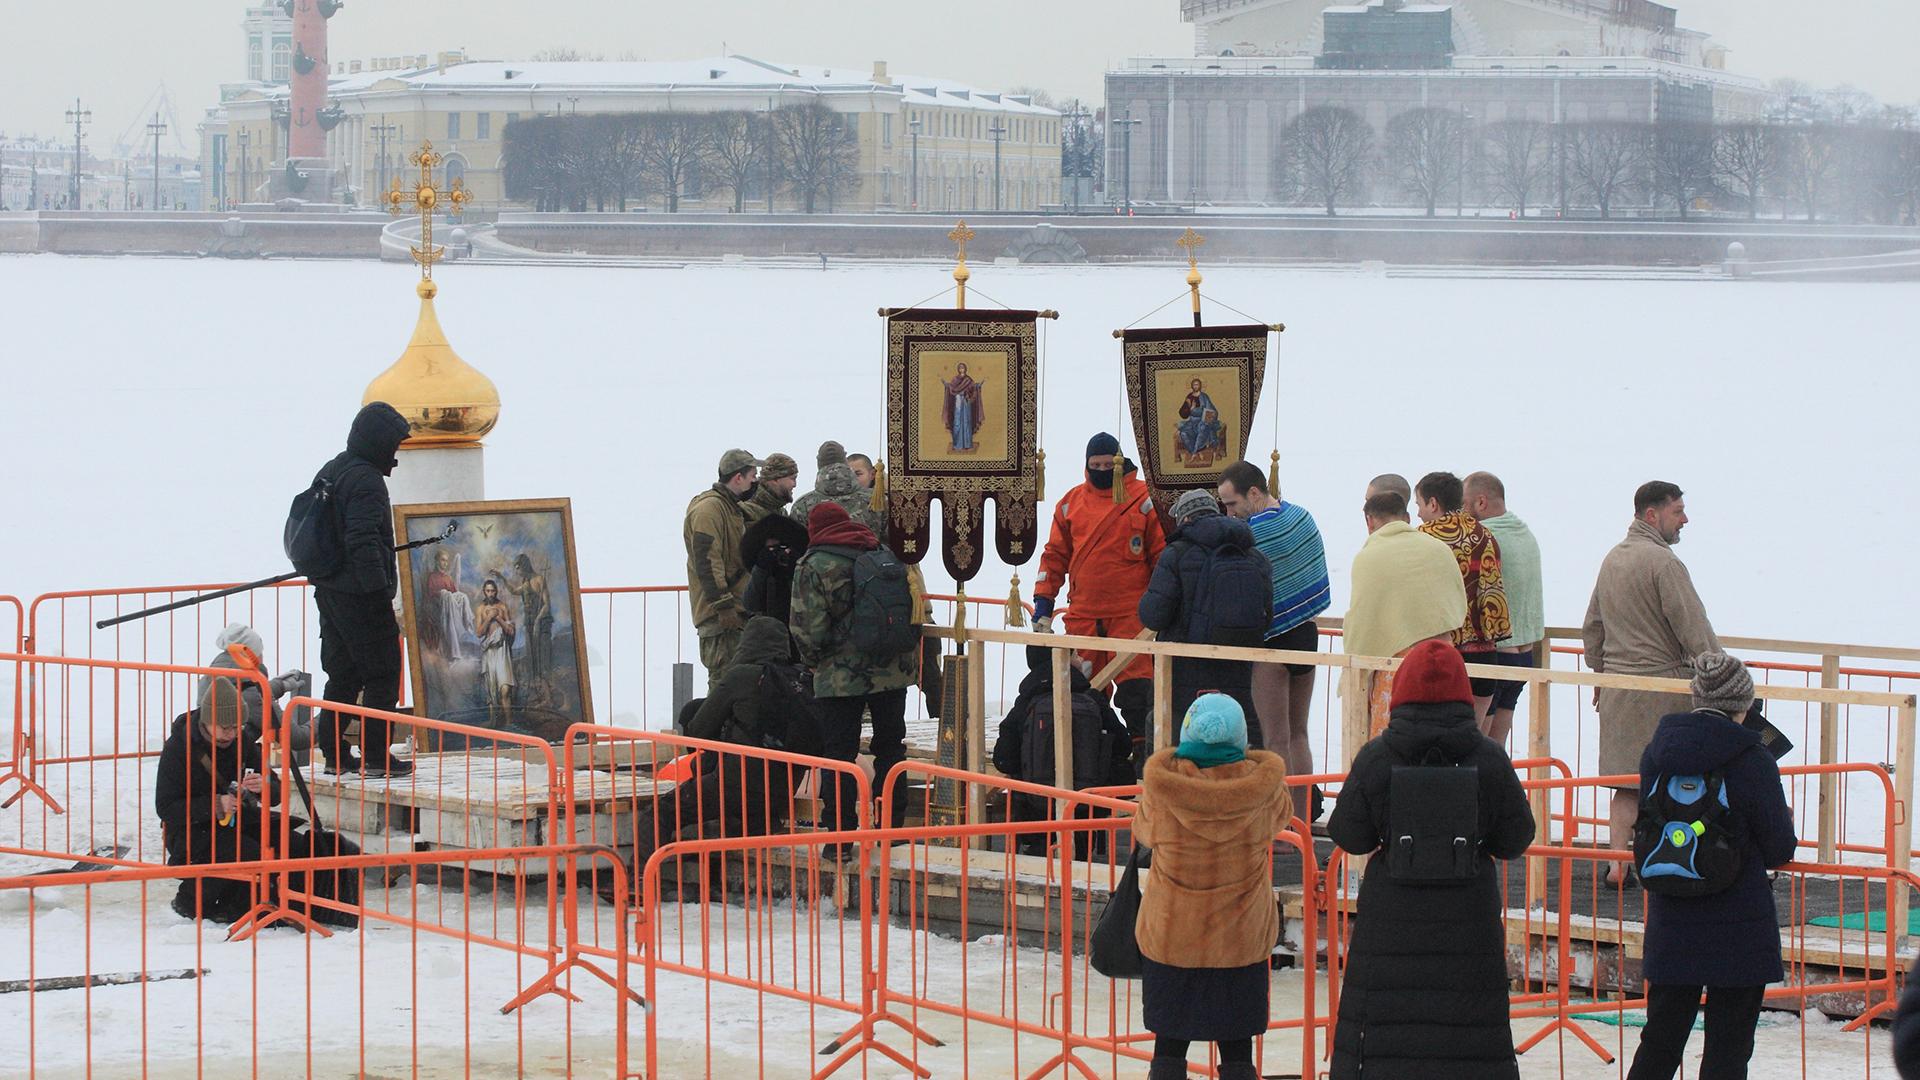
[
  {"x": 1426, "y": 149},
  {"x": 1746, "y": 158},
  {"x": 1519, "y": 153},
  {"x": 1327, "y": 153},
  {"x": 818, "y": 152},
  {"x": 1607, "y": 159},
  {"x": 677, "y": 149},
  {"x": 1881, "y": 169},
  {"x": 1681, "y": 156},
  {"x": 1808, "y": 159},
  {"x": 531, "y": 159},
  {"x": 625, "y": 138},
  {"x": 738, "y": 146}
]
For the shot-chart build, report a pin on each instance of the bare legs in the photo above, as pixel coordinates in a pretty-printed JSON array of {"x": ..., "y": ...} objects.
[
  {"x": 1498, "y": 726},
  {"x": 1621, "y": 814},
  {"x": 1284, "y": 702}
]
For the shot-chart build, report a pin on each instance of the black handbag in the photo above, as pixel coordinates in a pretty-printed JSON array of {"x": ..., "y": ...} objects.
[{"x": 1116, "y": 948}]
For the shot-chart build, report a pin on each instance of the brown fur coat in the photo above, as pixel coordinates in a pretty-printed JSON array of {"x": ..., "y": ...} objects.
[{"x": 1208, "y": 901}]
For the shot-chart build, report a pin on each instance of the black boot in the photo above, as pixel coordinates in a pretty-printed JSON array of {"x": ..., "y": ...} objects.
[
  {"x": 1238, "y": 1070},
  {"x": 1169, "y": 1068}
]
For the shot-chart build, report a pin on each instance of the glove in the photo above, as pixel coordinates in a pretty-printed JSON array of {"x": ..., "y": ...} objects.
[
  {"x": 292, "y": 681},
  {"x": 1043, "y": 625},
  {"x": 1043, "y": 608}
]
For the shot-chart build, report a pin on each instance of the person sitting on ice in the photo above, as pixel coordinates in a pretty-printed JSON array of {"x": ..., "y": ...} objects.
[
  {"x": 213, "y": 806},
  {"x": 238, "y": 647},
  {"x": 1102, "y": 746}
]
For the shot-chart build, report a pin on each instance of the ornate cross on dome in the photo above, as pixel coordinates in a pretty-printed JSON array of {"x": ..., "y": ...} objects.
[
  {"x": 1191, "y": 241},
  {"x": 960, "y": 235},
  {"x": 426, "y": 199}
]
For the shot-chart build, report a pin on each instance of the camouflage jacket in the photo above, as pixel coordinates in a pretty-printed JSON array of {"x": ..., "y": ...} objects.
[
  {"x": 716, "y": 519},
  {"x": 822, "y": 600},
  {"x": 763, "y": 502},
  {"x": 835, "y": 484}
]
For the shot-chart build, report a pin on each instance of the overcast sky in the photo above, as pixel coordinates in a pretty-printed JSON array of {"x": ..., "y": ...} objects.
[{"x": 116, "y": 55}]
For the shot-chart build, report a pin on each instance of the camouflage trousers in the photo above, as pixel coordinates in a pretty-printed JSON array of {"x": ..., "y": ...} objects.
[{"x": 716, "y": 652}]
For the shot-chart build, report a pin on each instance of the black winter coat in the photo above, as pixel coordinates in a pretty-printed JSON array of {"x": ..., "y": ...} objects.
[
  {"x": 358, "y": 477},
  {"x": 1731, "y": 938},
  {"x": 770, "y": 584},
  {"x": 1426, "y": 984},
  {"x": 734, "y": 706},
  {"x": 1037, "y": 689},
  {"x": 192, "y": 774},
  {"x": 1167, "y": 606},
  {"x": 1906, "y": 1027}
]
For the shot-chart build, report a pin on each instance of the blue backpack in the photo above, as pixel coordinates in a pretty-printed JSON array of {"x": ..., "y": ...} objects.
[
  {"x": 1688, "y": 841},
  {"x": 1233, "y": 604}
]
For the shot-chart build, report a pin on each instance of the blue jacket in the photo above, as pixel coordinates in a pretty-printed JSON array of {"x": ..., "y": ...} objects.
[
  {"x": 1732, "y": 937},
  {"x": 1168, "y": 604}
]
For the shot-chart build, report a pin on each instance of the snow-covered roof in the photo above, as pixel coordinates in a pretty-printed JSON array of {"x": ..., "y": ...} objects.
[{"x": 743, "y": 73}]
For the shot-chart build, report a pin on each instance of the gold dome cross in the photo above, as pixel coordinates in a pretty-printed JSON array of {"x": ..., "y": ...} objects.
[{"x": 426, "y": 199}]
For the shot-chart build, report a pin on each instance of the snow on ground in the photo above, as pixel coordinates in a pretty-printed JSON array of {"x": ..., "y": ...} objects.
[{"x": 163, "y": 412}]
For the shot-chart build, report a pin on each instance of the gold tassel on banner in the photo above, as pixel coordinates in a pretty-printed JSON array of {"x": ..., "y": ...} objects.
[
  {"x": 1119, "y": 479},
  {"x": 1016, "y": 614},
  {"x": 1039, "y": 476},
  {"x": 879, "y": 501},
  {"x": 1273, "y": 476},
  {"x": 960, "y": 615}
]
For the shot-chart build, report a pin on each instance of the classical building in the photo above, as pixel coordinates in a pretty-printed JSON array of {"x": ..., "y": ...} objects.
[
  {"x": 1208, "y": 129},
  {"x": 953, "y": 139}
]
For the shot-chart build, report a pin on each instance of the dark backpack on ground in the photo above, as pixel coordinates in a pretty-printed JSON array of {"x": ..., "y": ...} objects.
[
  {"x": 312, "y": 538},
  {"x": 1687, "y": 841},
  {"x": 1092, "y": 749},
  {"x": 1433, "y": 821},
  {"x": 1232, "y": 605},
  {"x": 789, "y": 720},
  {"x": 880, "y": 623}
]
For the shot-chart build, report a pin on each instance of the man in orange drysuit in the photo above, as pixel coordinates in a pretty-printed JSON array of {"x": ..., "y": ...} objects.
[{"x": 1108, "y": 548}]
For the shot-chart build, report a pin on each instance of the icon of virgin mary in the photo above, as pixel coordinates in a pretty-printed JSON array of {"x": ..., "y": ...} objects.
[{"x": 960, "y": 410}]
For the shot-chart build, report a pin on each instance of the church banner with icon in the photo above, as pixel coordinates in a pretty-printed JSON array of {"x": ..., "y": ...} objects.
[
  {"x": 961, "y": 393},
  {"x": 1192, "y": 391}
]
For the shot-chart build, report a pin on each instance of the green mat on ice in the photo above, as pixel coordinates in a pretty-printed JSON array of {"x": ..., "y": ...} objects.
[
  {"x": 1872, "y": 920},
  {"x": 1637, "y": 1018}
]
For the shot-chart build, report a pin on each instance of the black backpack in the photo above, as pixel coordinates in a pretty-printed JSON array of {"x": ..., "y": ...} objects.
[
  {"x": 312, "y": 538},
  {"x": 1092, "y": 749},
  {"x": 880, "y": 623},
  {"x": 1687, "y": 841},
  {"x": 1233, "y": 604},
  {"x": 1433, "y": 821},
  {"x": 789, "y": 719}
]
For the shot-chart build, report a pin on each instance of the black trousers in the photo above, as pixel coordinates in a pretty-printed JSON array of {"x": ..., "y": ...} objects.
[
  {"x": 841, "y": 718},
  {"x": 1231, "y": 1050},
  {"x": 360, "y": 653},
  {"x": 1732, "y": 1012}
]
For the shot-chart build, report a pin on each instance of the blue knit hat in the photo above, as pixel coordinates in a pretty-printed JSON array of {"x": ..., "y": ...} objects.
[
  {"x": 1103, "y": 445},
  {"x": 1216, "y": 720}
]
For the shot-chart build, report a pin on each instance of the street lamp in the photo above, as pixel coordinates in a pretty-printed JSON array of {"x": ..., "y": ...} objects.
[
  {"x": 156, "y": 129},
  {"x": 381, "y": 131},
  {"x": 245, "y": 139},
  {"x": 1460, "y": 181},
  {"x": 79, "y": 118},
  {"x": 913, "y": 129},
  {"x": 999, "y": 132},
  {"x": 1126, "y": 124}
]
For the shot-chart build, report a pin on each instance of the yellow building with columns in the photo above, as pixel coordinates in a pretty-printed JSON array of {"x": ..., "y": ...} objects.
[{"x": 954, "y": 139}]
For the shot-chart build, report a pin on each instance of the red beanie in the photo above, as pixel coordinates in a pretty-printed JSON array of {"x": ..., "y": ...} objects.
[{"x": 1432, "y": 672}]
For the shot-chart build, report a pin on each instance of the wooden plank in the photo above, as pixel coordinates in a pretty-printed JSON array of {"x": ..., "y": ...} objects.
[
  {"x": 1062, "y": 725},
  {"x": 1540, "y": 745},
  {"x": 1902, "y": 842},
  {"x": 1163, "y": 720},
  {"x": 1829, "y": 809}
]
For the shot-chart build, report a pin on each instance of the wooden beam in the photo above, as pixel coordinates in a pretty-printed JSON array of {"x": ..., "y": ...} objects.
[
  {"x": 1829, "y": 809},
  {"x": 1163, "y": 719},
  {"x": 1106, "y": 675},
  {"x": 1062, "y": 725},
  {"x": 1540, "y": 745}
]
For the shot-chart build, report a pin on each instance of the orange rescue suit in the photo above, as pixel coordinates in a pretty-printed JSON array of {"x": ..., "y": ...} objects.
[{"x": 1108, "y": 551}]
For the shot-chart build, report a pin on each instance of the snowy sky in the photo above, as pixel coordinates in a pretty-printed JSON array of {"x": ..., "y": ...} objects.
[{"x": 123, "y": 51}]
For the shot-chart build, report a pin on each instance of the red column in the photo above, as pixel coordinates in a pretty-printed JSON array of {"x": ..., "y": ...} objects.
[{"x": 305, "y": 139}]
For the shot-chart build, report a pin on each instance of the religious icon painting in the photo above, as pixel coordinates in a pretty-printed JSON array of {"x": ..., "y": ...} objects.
[
  {"x": 1192, "y": 391},
  {"x": 492, "y": 616},
  {"x": 961, "y": 402}
]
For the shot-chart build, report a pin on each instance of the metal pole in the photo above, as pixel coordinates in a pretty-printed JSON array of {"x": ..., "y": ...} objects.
[
  {"x": 913, "y": 127},
  {"x": 78, "y": 117},
  {"x": 1125, "y": 124},
  {"x": 999, "y": 132},
  {"x": 156, "y": 129}
]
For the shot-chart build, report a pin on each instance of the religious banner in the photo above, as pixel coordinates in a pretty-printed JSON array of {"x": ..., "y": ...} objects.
[
  {"x": 1193, "y": 391},
  {"x": 961, "y": 392}
]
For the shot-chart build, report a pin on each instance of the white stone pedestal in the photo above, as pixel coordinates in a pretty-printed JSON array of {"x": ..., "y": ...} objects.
[{"x": 438, "y": 474}]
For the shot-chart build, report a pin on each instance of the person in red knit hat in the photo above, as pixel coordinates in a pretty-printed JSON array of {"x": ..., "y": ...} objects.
[{"x": 1426, "y": 980}]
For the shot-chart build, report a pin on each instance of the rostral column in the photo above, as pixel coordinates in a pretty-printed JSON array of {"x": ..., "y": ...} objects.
[{"x": 306, "y": 138}]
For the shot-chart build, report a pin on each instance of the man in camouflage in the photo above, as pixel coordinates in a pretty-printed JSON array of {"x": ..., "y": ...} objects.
[
  {"x": 716, "y": 519},
  {"x": 847, "y": 682},
  {"x": 775, "y": 490},
  {"x": 835, "y": 483}
]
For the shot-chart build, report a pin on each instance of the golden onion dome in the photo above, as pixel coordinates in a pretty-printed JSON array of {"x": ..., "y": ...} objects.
[{"x": 445, "y": 399}]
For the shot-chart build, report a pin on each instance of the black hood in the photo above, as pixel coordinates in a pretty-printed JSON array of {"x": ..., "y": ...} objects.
[
  {"x": 1215, "y": 531},
  {"x": 764, "y": 641},
  {"x": 376, "y": 435},
  {"x": 772, "y": 527},
  {"x": 1040, "y": 672},
  {"x": 1698, "y": 742},
  {"x": 1448, "y": 725}
]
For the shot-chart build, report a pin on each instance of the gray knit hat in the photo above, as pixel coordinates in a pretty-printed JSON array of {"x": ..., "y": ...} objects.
[
  {"x": 779, "y": 467},
  {"x": 830, "y": 453},
  {"x": 1196, "y": 503},
  {"x": 1722, "y": 683}
]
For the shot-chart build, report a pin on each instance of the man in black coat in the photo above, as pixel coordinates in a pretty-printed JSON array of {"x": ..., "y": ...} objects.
[
  {"x": 1182, "y": 595},
  {"x": 771, "y": 546},
  {"x": 1102, "y": 746},
  {"x": 1727, "y": 943},
  {"x": 359, "y": 637},
  {"x": 1425, "y": 996}
]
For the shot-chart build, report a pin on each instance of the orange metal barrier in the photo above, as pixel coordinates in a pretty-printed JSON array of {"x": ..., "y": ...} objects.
[{"x": 116, "y": 985}]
